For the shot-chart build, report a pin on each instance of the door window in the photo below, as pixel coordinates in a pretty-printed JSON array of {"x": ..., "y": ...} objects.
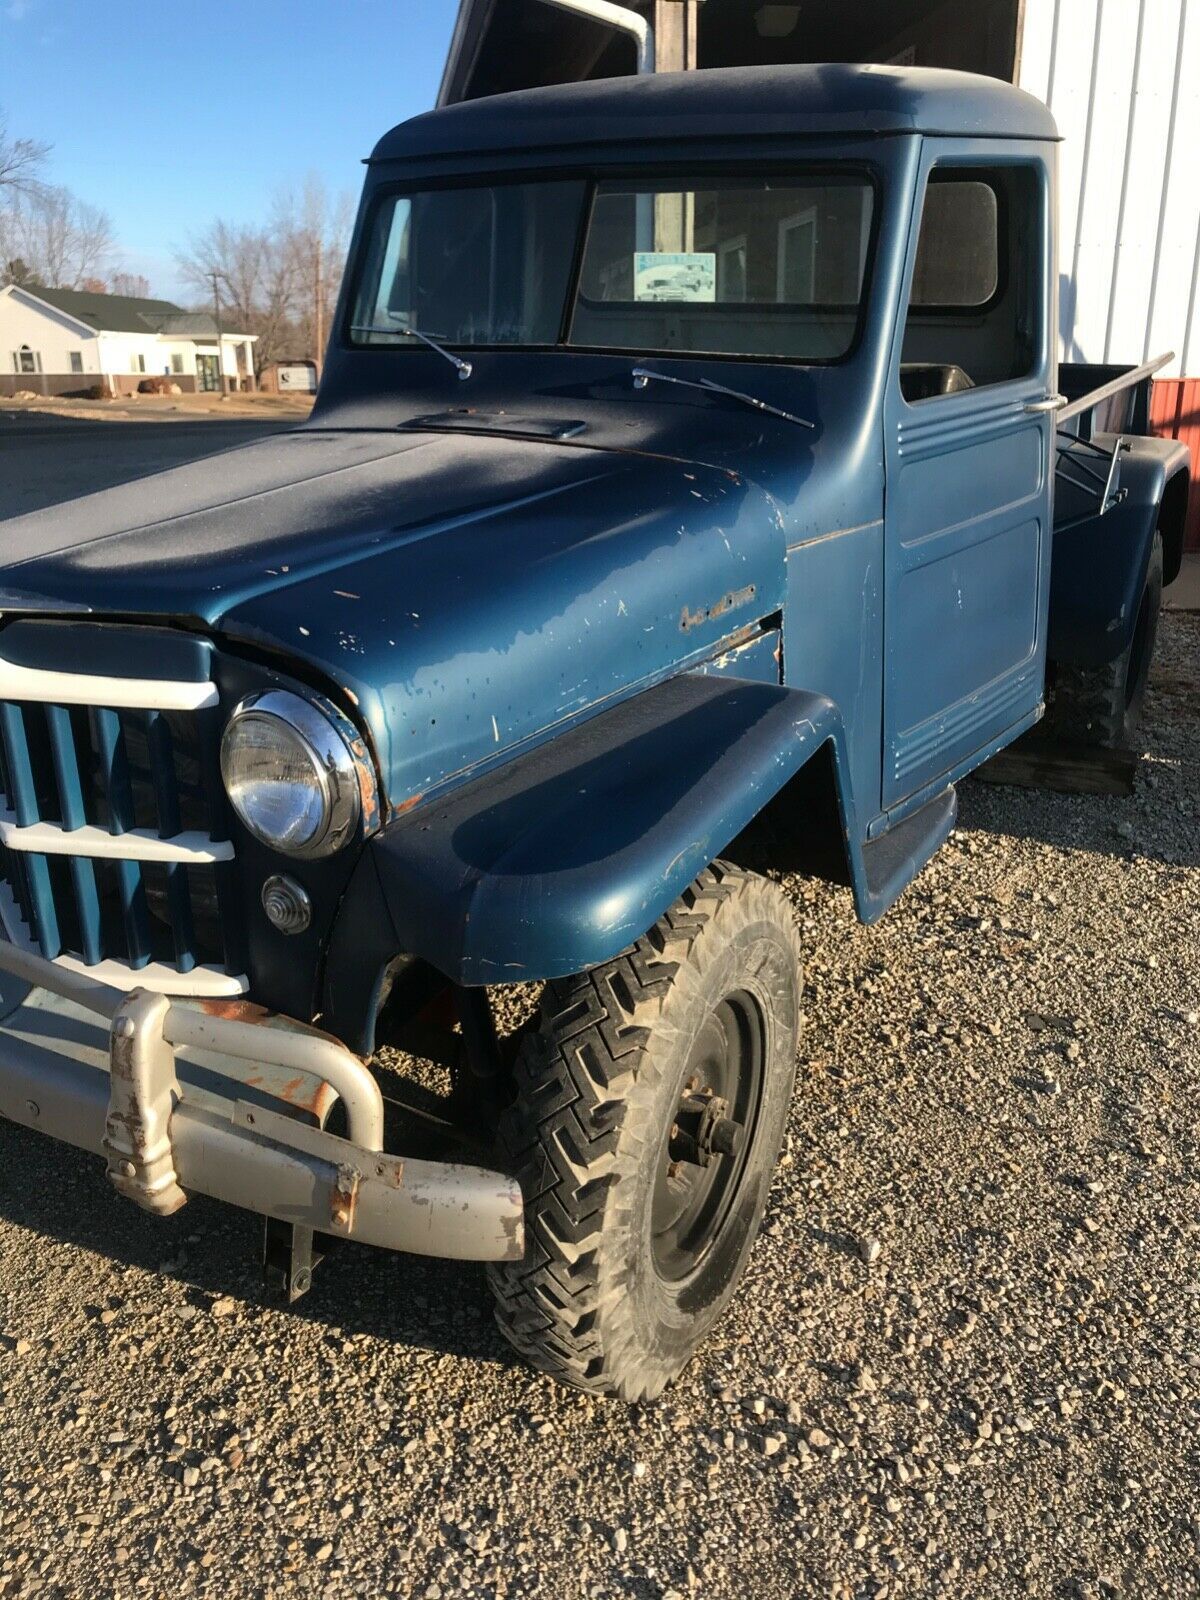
[{"x": 975, "y": 309}]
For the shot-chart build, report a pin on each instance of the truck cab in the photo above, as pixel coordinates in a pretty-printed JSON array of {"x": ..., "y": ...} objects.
[{"x": 682, "y": 477}]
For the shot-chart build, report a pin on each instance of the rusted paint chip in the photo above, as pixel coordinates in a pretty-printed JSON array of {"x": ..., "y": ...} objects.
[{"x": 237, "y": 1011}]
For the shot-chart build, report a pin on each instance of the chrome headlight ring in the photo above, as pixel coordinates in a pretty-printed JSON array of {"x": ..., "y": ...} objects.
[{"x": 297, "y": 774}]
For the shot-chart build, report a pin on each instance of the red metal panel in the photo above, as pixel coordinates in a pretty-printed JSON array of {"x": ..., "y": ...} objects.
[{"x": 1175, "y": 414}]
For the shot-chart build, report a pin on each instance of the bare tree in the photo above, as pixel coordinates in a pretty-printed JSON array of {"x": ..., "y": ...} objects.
[
  {"x": 134, "y": 284},
  {"x": 21, "y": 162},
  {"x": 47, "y": 235},
  {"x": 14, "y": 270},
  {"x": 280, "y": 280},
  {"x": 62, "y": 239},
  {"x": 315, "y": 229},
  {"x": 253, "y": 277},
  {"x": 277, "y": 293}
]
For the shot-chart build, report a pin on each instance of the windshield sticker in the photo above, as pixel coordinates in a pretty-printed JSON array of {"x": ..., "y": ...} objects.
[{"x": 688, "y": 275}]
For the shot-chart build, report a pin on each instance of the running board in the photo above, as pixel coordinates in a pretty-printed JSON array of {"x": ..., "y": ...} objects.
[{"x": 893, "y": 860}]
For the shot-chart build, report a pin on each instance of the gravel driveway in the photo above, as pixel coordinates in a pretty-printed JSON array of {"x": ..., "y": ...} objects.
[{"x": 965, "y": 1361}]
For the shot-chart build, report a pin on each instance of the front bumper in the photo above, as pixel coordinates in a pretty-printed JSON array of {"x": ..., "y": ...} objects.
[{"x": 182, "y": 1098}]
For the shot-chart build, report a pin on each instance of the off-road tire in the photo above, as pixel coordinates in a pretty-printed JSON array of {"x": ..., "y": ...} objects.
[
  {"x": 588, "y": 1134},
  {"x": 1103, "y": 705}
]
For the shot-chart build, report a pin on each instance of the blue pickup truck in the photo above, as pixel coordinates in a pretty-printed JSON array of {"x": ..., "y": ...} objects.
[{"x": 689, "y": 476}]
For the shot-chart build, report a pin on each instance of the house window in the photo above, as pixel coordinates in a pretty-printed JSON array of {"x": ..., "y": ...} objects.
[
  {"x": 137, "y": 363},
  {"x": 27, "y": 360},
  {"x": 76, "y": 360},
  {"x": 177, "y": 365}
]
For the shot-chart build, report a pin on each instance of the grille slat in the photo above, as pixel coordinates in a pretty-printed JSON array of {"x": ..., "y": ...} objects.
[
  {"x": 170, "y": 824},
  {"x": 74, "y": 815},
  {"x": 225, "y": 879},
  {"x": 118, "y": 788},
  {"x": 38, "y": 889},
  {"x": 115, "y": 854}
]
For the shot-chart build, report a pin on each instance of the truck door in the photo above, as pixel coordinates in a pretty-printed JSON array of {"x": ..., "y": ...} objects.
[{"x": 969, "y": 423}]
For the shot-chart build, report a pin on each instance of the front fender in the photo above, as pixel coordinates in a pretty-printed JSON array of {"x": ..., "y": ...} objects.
[
  {"x": 1099, "y": 566},
  {"x": 563, "y": 857}
]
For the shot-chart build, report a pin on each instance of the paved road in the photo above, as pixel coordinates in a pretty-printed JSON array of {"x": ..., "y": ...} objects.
[{"x": 45, "y": 460}]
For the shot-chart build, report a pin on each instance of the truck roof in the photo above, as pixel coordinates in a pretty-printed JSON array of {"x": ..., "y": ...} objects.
[{"x": 729, "y": 101}]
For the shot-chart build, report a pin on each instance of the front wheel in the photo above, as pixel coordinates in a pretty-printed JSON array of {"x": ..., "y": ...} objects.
[{"x": 650, "y": 1109}]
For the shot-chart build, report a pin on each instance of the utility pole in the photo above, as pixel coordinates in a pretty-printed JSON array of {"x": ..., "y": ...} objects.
[{"x": 216, "y": 283}]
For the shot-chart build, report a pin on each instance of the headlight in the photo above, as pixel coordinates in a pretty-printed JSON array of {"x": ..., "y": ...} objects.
[{"x": 290, "y": 774}]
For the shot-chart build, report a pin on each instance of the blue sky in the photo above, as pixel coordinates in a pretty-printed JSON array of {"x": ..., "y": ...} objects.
[{"x": 169, "y": 112}]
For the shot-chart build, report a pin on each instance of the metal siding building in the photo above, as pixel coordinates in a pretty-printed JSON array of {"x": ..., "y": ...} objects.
[{"x": 1123, "y": 80}]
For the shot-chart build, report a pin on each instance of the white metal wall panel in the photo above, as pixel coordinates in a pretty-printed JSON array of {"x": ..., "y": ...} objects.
[{"x": 1123, "y": 80}]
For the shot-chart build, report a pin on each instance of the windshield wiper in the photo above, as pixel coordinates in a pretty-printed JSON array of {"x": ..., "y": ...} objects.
[
  {"x": 642, "y": 376},
  {"x": 464, "y": 368}
]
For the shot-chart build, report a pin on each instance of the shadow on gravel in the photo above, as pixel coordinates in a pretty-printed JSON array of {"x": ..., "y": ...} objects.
[
  {"x": 1154, "y": 823},
  {"x": 1157, "y": 822},
  {"x": 214, "y": 1250},
  {"x": 1104, "y": 825},
  {"x": 844, "y": 1243}
]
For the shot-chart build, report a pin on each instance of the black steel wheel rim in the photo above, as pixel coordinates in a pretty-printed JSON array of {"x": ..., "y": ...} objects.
[{"x": 692, "y": 1203}]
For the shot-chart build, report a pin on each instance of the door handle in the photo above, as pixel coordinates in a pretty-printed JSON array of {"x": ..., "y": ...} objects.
[{"x": 1052, "y": 402}]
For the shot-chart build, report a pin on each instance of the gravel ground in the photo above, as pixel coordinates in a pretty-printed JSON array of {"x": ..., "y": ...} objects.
[{"x": 965, "y": 1360}]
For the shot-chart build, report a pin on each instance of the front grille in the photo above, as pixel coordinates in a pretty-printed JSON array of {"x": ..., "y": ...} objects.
[{"x": 114, "y": 856}]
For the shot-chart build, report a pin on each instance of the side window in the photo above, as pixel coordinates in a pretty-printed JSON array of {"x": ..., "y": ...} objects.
[{"x": 974, "y": 316}]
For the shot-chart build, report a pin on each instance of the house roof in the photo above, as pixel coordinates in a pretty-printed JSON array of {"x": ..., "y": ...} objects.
[
  {"x": 112, "y": 313},
  {"x": 123, "y": 313},
  {"x": 730, "y": 101}
]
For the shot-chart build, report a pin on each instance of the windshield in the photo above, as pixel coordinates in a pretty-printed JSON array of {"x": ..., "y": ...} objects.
[{"x": 760, "y": 267}]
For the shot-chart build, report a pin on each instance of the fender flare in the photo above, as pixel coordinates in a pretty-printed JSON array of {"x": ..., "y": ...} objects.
[
  {"x": 1099, "y": 566},
  {"x": 561, "y": 858}
]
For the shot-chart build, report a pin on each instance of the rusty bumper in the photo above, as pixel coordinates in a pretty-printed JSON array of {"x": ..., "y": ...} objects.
[{"x": 179, "y": 1101}]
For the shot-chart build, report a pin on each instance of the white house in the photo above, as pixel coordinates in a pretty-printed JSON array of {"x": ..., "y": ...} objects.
[{"x": 59, "y": 341}]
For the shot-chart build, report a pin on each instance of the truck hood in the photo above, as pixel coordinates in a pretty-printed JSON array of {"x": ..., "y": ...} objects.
[{"x": 464, "y": 593}]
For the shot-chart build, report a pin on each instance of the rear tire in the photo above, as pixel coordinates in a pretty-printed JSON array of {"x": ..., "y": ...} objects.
[
  {"x": 635, "y": 1242},
  {"x": 1103, "y": 705}
]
